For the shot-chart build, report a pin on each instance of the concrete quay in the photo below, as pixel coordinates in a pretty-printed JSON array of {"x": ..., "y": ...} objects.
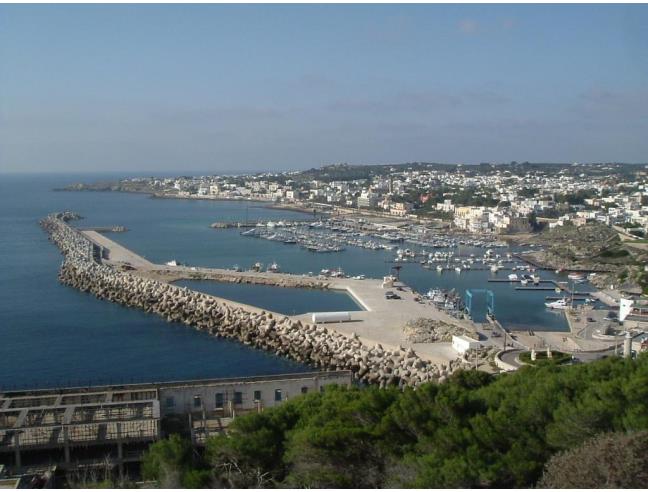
[
  {"x": 381, "y": 322},
  {"x": 317, "y": 345}
]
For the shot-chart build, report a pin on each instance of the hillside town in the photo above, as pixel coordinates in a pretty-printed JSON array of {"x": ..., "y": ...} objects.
[{"x": 500, "y": 199}]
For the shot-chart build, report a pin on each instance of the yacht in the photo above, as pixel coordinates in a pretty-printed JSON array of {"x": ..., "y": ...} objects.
[
  {"x": 458, "y": 269},
  {"x": 513, "y": 277},
  {"x": 559, "y": 304},
  {"x": 494, "y": 268},
  {"x": 439, "y": 268},
  {"x": 576, "y": 277}
]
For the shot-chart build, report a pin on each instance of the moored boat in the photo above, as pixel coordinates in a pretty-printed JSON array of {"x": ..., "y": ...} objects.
[{"x": 559, "y": 304}]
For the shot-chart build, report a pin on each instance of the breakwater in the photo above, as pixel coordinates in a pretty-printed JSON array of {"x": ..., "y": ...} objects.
[{"x": 303, "y": 342}]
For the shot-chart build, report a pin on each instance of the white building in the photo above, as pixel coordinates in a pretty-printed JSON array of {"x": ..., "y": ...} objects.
[{"x": 461, "y": 344}]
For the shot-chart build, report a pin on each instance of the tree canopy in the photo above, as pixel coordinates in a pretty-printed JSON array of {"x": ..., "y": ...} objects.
[{"x": 475, "y": 430}]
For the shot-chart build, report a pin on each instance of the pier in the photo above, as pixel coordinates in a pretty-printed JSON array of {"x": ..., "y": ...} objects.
[
  {"x": 252, "y": 224},
  {"x": 334, "y": 347},
  {"x": 381, "y": 322}
]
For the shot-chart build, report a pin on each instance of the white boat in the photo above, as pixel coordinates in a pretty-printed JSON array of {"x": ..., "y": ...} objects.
[
  {"x": 524, "y": 281},
  {"x": 559, "y": 304},
  {"x": 458, "y": 269},
  {"x": 274, "y": 268},
  {"x": 439, "y": 268},
  {"x": 575, "y": 277},
  {"x": 257, "y": 267},
  {"x": 494, "y": 268},
  {"x": 171, "y": 263},
  {"x": 513, "y": 277}
]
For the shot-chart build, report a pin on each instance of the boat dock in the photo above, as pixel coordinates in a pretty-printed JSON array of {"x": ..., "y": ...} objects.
[
  {"x": 251, "y": 224},
  {"x": 381, "y": 322}
]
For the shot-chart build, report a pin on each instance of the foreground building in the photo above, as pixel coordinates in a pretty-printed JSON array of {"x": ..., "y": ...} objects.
[{"x": 114, "y": 425}]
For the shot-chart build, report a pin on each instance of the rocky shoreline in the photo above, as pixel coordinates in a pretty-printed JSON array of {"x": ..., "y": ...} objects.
[{"x": 302, "y": 342}]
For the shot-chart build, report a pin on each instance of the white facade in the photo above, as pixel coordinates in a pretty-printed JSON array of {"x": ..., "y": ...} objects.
[{"x": 461, "y": 344}]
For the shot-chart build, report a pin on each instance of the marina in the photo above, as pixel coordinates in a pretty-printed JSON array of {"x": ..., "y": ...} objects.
[
  {"x": 378, "y": 323},
  {"x": 164, "y": 230}
]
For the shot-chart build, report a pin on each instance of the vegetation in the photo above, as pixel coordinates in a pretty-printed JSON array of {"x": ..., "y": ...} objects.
[
  {"x": 475, "y": 430},
  {"x": 173, "y": 464},
  {"x": 615, "y": 460},
  {"x": 614, "y": 253},
  {"x": 541, "y": 358},
  {"x": 577, "y": 198}
]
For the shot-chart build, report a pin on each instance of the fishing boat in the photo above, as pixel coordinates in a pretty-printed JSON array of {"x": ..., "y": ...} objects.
[
  {"x": 559, "y": 304},
  {"x": 257, "y": 267}
]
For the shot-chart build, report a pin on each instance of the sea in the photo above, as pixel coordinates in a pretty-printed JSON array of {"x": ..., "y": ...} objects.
[{"x": 52, "y": 335}]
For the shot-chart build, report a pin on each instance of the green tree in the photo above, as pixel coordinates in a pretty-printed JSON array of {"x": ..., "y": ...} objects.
[
  {"x": 172, "y": 464},
  {"x": 616, "y": 461}
]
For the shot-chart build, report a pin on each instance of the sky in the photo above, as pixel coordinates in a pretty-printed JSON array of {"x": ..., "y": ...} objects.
[{"x": 173, "y": 88}]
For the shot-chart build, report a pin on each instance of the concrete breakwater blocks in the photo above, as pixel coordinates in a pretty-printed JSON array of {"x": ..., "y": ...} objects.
[{"x": 302, "y": 342}]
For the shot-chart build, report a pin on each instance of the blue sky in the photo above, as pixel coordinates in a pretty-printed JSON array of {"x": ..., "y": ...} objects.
[{"x": 256, "y": 87}]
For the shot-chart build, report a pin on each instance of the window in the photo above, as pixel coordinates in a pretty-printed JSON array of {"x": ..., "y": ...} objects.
[
  {"x": 304, "y": 390},
  {"x": 170, "y": 402},
  {"x": 278, "y": 395},
  {"x": 257, "y": 395},
  {"x": 238, "y": 398},
  {"x": 220, "y": 400},
  {"x": 197, "y": 401}
]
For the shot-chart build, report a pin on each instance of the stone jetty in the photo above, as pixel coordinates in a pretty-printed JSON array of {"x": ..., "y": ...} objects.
[{"x": 303, "y": 342}]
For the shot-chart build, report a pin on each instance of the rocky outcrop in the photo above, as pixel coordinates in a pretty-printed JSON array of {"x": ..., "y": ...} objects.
[
  {"x": 302, "y": 342},
  {"x": 427, "y": 330}
]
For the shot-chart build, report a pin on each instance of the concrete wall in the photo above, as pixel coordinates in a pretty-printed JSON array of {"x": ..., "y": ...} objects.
[
  {"x": 504, "y": 366},
  {"x": 179, "y": 398}
]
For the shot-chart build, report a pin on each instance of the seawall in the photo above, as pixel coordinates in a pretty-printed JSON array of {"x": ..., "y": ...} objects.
[{"x": 302, "y": 342}]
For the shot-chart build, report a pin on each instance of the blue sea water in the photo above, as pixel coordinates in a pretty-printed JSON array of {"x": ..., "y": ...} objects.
[
  {"x": 52, "y": 335},
  {"x": 289, "y": 301}
]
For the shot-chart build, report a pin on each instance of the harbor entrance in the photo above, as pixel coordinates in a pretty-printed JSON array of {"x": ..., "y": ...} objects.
[{"x": 490, "y": 301}]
